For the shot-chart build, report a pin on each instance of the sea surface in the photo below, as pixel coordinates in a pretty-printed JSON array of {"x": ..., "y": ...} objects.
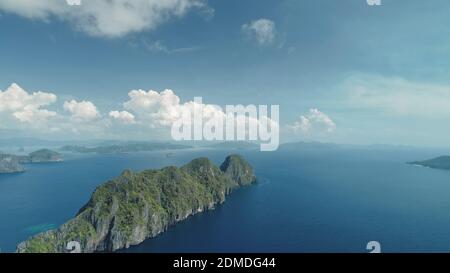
[{"x": 306, "y": 200}]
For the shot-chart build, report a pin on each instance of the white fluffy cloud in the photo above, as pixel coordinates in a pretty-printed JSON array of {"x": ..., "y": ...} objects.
[
  {"x": 15, "y": 98},
  {"x": 263, "y": 31},
  {"x": 22, "y": 110},
  {"x": 163, "y": 109},
  {"x": 151, "y": 113},
  {"x": 314, "y": 122},
  {"x": 82, "y": 111},
  {"x": 25, "y": 107},
  {"x": 30, "y": 114},
  {"x": 159, "y": 109},
  {"x": 107, "y": 18},
  {"x": 123, "y": 117}
]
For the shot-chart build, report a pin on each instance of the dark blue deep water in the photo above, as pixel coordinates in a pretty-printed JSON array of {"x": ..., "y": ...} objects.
[{"x": 323, "y": 200}]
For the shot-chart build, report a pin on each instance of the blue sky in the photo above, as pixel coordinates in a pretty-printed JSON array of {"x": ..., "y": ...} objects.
[{"x": 341, "y": 71}]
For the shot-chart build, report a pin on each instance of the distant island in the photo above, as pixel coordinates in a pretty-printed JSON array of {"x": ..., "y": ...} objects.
[
  {"x": 124, "y": 148},
  {"x": 43, "y": 156},
  {"x": 138, "y": 206},
  {"x": 236, "y": 145},
  {"x": 309, "y": 146},
  {"x": 12, "y": 163},
  {"x": 442, "y": 162}
]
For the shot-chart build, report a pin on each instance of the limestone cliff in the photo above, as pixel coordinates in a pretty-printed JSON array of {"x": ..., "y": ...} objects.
[{"x": 137, "y": 206}]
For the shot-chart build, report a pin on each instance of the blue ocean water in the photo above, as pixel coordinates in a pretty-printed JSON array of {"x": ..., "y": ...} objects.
[{"x": 311, "y": 200}]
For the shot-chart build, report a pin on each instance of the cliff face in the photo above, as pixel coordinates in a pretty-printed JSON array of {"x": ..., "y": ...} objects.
[
  {"x": 237, "y": 169},
  {"x": 137, "y": 206}
]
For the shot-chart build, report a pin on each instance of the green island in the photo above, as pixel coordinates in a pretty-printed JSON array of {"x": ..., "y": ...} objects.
[
  {"x": 442, "y": 162},
  {"x": 12, "y": 163},
  {"x": 137, "y": 206}
]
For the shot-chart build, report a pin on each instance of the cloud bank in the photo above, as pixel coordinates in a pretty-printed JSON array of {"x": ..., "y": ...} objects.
[
  {"x": 25, "y": 107},
  {"x": 106, "y": 18},
  {"x": 122, "y": 116},
  {"x": 146, "y": 114},
  {"x": 81, "y": 111}
]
